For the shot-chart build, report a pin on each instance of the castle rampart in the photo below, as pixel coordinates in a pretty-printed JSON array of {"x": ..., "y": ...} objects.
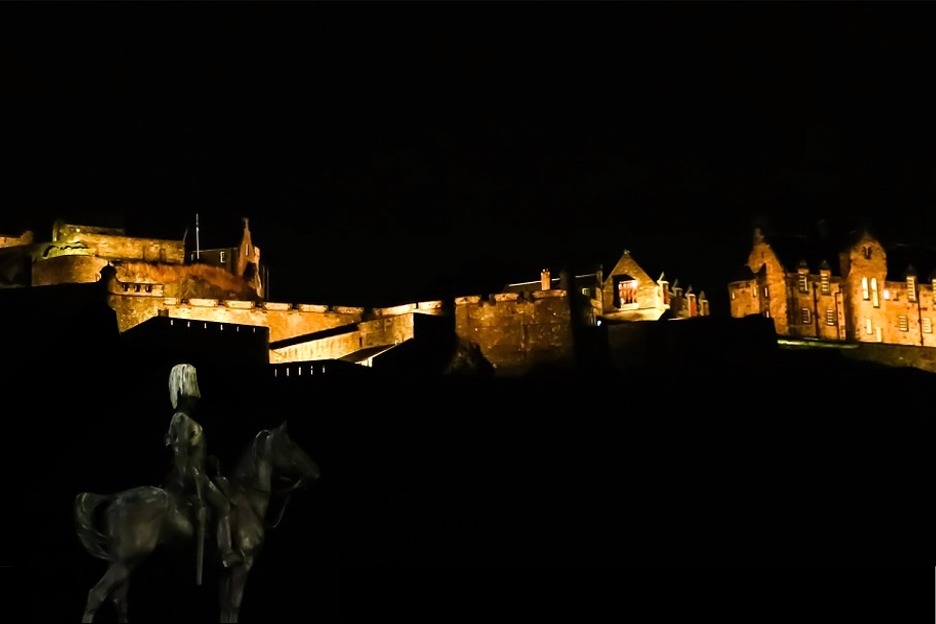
[
  {"x": 75, "y": 269},
  {"x": 515, "y": 332}
]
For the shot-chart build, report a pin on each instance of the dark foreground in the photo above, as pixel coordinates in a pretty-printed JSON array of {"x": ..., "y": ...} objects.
[{"x": 801, "y": 459}]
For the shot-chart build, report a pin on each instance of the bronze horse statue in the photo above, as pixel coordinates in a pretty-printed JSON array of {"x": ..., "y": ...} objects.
[{"x": 123, "y": 528}]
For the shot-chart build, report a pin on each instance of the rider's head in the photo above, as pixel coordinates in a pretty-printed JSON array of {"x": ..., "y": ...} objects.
[{"x": 183, "y": 384}]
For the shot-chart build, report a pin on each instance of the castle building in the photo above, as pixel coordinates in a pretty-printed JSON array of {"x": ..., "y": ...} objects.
[
  {"x": 856, "y": 291},
  {"x": 157, "y": 289}
]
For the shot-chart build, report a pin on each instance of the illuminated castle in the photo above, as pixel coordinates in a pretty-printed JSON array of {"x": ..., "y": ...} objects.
[
  {"x": 152, "y": 281},
  {"x": 858, "y": 291}
]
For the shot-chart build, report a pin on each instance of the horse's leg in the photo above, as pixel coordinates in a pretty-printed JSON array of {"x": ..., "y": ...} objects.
[
  {"x": 230, "y": 604},
  {"x": 116, "y": 575},
  {"x": 224, "y": 595},
  {"x": 120, "y": 599}
]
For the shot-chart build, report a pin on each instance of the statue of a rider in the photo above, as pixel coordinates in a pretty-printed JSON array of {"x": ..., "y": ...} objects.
[{"x": 187, "y": 440}]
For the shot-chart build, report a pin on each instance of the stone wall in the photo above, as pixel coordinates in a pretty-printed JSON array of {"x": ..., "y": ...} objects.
[
  {"x": 67, "y": 270},
  {"x": 762, "y": 255},
  {"x": 858, "y": 309},
  {"x": 26, "y": 238},
  {"x": 387, "y": 330},
  {"x": 515, "y": 333},
  {"x": 116, "y": 247}
]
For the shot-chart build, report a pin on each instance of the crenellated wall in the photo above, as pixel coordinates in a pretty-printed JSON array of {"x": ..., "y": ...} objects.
[{"x": 515, "y": 333}]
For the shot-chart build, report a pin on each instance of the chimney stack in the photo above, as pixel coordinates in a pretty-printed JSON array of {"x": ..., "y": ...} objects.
[{"x": 544, "y": 279}]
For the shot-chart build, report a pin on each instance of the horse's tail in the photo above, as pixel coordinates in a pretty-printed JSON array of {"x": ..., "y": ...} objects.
[{"x": 93, "y": 540}]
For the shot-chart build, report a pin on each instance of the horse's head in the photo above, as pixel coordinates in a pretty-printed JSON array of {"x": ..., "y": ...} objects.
[{"x": 289, "y": 459}]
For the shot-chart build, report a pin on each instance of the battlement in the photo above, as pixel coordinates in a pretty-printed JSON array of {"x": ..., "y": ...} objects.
[{"x": 494, "y": 298}]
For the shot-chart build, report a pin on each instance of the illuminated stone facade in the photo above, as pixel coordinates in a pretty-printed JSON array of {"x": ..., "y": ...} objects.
[
  {"x": 858, "y": 291},
  {"x": 527, "y": 325}
]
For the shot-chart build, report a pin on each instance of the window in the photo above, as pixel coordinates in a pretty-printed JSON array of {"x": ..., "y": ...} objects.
[
  {"x": 767, "y": 313},
  {"x": 803, "y": 282},
  {"x": 874, "y": 293},
  {"x": 221, "y": 256},
  {"x": 927, "y": 325},
  {"x": 866, "y": 250},
  {"x": 586, "y": 292},
  {"x": 868, "y": 329},
  {"x": 830, "y": 317},
  {"x": 627, "y": 292},
  {"x": 806, "y": 316},
  {"x": 732, "y": 295},
  {"x": 754, "y": 293},
  {"x": 825, "y": 285},
  {"x": 766, "y": 293},
  {"x": 903, "y": 323},
  {"x": 864, "y": 289},
  {"x": 911, "y": 289}
]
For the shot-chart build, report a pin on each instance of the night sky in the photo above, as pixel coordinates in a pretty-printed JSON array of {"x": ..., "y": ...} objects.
[{"x": 385, "y": 152}]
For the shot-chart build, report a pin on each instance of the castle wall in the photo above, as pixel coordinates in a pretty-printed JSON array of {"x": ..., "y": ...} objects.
[
  {"x": 742, "y": 296},
  {"x": 26, "y": 238},
  {"x": 283, "y": 319},
  {"x": 67, "y": 270},
  {"x": 133, "y": 310},
  {"x": 115, "y": 247},
  {"x": 513, "y": 333},
  {"x": 382, "y": 331},
  {"x": 330, "y": 348},
  {"x": 818, "y": 305}
]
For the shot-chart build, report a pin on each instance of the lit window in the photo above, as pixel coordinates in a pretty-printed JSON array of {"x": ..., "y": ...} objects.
[
  {"x": 886, "y": 294},
  {"x": 903, "y": 323},
  {"x": 803, "y": 283},
  {"x": 732, "y": 295},
  {"x": 830, "y": 317},
  {"x": 766, "y": 293},
  {"x": 911, "y": 289},
  {"x": 825, "y": 285},
  {"x": 754, "y": 293},
  {"x": 767, "y": 313},
  {"x": 868, "y": 329},
  {"x": 874, "y": 293},
  {"x": 806, "y": 316},
  {"x": 864, "y": 289},
  {"x": 627, "y": 292},
  {"x": 927, "y": 325},
  {"x": 221, "y": 256}
]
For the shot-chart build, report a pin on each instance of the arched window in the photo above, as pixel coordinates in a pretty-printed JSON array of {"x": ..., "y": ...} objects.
[{"x": 864, "y": 289}]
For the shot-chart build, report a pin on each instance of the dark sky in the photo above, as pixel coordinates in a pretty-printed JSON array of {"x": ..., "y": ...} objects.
[{"x": 395, "y": 150}]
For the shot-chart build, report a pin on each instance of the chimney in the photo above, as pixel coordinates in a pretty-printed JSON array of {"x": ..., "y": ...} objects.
[{"x": 544, "y": 279}]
